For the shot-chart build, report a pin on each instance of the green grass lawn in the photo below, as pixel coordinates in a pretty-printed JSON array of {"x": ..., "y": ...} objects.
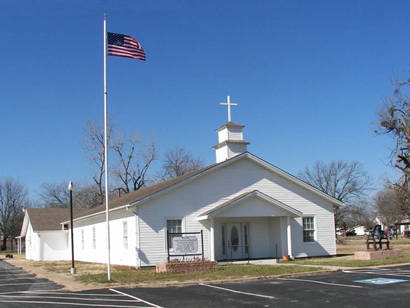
[
  {"x": 127, "y": 275},
  {"x": 352, "y": 244}
]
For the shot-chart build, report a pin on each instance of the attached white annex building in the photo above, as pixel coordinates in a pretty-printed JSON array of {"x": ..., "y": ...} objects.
[{"x": 245, "y": 207}]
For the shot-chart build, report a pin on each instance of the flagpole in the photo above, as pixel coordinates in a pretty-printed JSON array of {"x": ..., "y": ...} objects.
[{"x": 107, "y": 218}]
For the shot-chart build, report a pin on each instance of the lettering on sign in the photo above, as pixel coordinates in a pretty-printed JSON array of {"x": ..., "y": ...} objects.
[{"x": 185, "y": 244}]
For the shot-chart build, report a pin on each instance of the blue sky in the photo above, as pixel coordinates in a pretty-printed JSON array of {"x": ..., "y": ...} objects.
[{"x": 309, "y": 77}]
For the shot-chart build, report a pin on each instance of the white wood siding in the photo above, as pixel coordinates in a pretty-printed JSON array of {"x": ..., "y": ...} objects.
[
  {"x": 187, "y": 201},
  {"x": 54, "y": 245},
  {"x": 207, "y": 191},
  {"x": 47, "y": 245},
  {"x": 119, "y": 254},
  {"x": 223, "y": 135}
]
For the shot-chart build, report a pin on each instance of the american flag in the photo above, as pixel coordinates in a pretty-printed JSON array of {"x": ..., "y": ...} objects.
[{"x": 123, "y": 45}]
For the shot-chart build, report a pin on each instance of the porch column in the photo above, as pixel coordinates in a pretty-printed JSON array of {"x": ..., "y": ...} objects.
[
  {"x": 289, "y": 235},
  {"x": 212, "y": 250}
]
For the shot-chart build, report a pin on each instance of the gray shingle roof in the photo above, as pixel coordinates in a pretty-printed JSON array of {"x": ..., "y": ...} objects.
[
  {"x": 47, "y": 219},
  {"x": 140, "y": 194}
]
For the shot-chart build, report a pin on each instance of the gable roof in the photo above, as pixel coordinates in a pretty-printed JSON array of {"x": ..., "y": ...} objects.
[
  {"x": 47, "y": 219},
  {"x": 142, "y": 193},
  {"x": 137, "y": 197},
  {"x": 247, "y": 195}
]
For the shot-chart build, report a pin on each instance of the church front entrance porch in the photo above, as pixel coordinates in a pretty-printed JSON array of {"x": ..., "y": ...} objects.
[
  {"x": 248, "y": 238},
  {"x": 252, "y": 225}
]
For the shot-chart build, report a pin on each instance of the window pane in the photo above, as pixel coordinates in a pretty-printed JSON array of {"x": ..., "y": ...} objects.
[
  {"x": 173, "y": 226},
  {"x": 94, "y": 239},
  {"x": 245, "y": 231},
  {"x": 308, "y": 229},
  {"x": 125, "y": 235},
  {"x": 223, "y": 240},
  {"x": 82, "y": 238}
]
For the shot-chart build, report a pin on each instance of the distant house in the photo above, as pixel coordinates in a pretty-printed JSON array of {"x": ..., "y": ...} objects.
[{"x": 245, "y": 206}]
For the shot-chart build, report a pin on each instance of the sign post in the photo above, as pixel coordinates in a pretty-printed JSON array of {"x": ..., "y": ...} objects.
[{"x": 185, "y": 244}]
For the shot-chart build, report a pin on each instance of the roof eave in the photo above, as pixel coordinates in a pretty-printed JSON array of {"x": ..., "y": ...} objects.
[{"x": 126, "y": 206}]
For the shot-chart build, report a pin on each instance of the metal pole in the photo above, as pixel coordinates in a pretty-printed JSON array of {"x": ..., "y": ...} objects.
[
  {"x": 202, "y": 244},
  {"x": 70, "y": 188},
  {"x": 107, "y": 218},
  {"x": 168, "y": 244}
]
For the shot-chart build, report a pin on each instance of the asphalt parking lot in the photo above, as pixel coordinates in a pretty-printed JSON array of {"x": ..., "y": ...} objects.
[
  {"x": 387, "y": 287},
  {"x": 367, "y": 287},
  {"x": 21, "y": 289}
]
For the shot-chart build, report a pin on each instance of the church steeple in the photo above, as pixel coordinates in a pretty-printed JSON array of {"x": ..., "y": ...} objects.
[{"x": 230, "y": 137}]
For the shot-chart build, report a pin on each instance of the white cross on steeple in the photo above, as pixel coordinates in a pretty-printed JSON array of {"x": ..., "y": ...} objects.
[{"x": 229, "y": 104}]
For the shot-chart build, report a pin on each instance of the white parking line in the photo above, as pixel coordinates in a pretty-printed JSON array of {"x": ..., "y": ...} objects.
[
  {"x": 134, "y": 297},
  {"x": 12, "y": 272},
  {"x": 63, "y": 293},
  {"x": 322, "y": 282},
  {"x": 388, "y": 270},
  {"x": 72, "y": 304},
  {"x": 24, "y": 283},
  {"x": 25, "y": 274},
  {"x": 13, "y": 292},
  {"x": 375, "y": 273},
  {"x": 235, "y": 291},
  {"x": 18, "y": 278},
  {"x": 72, "y": 298}
]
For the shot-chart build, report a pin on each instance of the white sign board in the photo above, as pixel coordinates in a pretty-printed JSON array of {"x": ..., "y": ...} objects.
[{"x": 185, "y": 245}]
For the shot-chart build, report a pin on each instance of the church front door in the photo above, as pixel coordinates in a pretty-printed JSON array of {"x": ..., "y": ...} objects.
[{"x": 235, "y": 240}]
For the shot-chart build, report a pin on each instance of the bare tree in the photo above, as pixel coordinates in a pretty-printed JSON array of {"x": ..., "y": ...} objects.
[
  {"x": 389, "y": 205},
  {"x": 178, "y": 161},
  {"x": 352, "y": 216},
  {"x": 394, "y": 120},
  {"x": 345, "y": 181},
  {"x": 57, "y": 195},
  {"x": 134, "y": 160},
  {"x": 139, "y": 171},
  {"x": 13, "y": 198},
  {"x": 94, "y": 146}
]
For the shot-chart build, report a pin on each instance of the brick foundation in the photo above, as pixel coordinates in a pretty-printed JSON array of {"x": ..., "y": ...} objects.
[
  {"x": 376, "y": 255},
  {"x": 181, "y": 267}
]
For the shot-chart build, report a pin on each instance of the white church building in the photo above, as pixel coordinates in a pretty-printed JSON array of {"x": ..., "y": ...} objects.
[{"x": 246, "y": 208}]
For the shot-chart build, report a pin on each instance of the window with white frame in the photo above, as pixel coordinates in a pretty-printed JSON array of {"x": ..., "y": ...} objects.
[
  {"x": 173, "y": 226},
  {"x": 308, "y": 229},
  {"x": 125, "y": 234},
  {"x": 82, "y": 239},
  {"x": 94, "y": 239}
]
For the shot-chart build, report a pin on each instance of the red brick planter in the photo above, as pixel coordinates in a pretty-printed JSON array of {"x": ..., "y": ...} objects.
[
  {"x": 189, "y": 266},
  {"x": 377, "y": 255}
]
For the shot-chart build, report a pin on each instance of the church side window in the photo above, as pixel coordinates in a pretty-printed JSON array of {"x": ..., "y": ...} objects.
[
  {"x": 94, "y": 239},
  {"x": 173, "y": 226},
  {"x": 125, "y": 235},
  {"x": 82, "y": 238},
  {"x": 223, "y": 240},
  {"x": 308, "y": 229}
]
